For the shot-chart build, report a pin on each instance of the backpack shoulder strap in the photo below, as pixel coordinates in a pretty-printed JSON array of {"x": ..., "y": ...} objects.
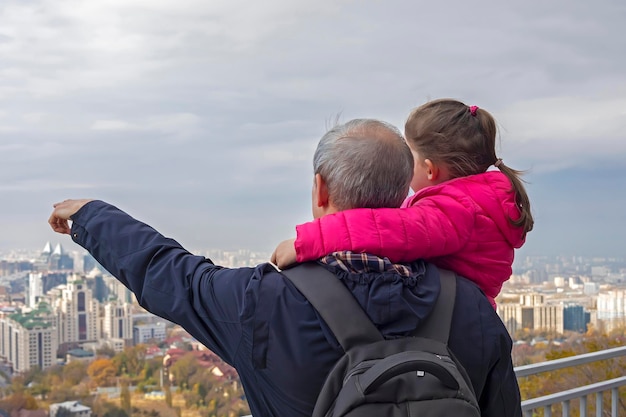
[
  {"x": 437, "y": 324},
  {"x": 334, "y": 302}
]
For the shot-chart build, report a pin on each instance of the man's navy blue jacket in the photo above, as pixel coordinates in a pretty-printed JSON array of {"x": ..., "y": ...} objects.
[{"x": 257, "y": 321}]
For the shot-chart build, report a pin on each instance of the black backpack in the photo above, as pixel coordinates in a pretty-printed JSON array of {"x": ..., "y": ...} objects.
[{"x": 413, "y": 376}]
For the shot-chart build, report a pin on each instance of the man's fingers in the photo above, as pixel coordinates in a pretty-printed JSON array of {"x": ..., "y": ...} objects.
[
  {"x": 59, "y": 225},
  {"x": 58, "y": 221}
]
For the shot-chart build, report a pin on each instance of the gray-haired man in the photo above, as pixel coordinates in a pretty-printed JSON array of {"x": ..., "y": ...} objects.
[{"x": 257, "y": 321}]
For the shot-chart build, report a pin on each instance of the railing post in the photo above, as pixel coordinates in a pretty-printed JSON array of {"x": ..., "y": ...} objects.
[
  {"x": 547, "y": 411},
  {"x": 583, "y": 406},
  {"x": 566, "y": 408},
  {"x": 614, "y": 398},
  {"x": 599, "y": 404}
]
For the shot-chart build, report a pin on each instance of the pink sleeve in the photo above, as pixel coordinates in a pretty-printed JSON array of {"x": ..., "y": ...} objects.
[{"x": 434, "y": 226}]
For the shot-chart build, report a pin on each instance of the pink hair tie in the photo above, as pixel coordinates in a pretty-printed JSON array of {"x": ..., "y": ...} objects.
[{"x": 473, "y": 110}]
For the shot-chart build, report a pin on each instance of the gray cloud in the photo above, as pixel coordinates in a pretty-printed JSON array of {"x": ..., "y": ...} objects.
[{"x": 202, "y": 116}]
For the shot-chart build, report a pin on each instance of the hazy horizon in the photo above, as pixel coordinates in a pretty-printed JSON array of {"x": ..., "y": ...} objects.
[{"x": 201, "y": 118}]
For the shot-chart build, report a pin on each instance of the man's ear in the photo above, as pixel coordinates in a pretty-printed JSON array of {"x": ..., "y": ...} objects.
[
  {"x": 432, "y": 170},
  {"x": 321, "y": 191}
]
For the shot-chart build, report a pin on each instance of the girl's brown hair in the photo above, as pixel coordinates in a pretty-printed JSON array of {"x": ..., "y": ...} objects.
[{"x": 463, "y": 139}]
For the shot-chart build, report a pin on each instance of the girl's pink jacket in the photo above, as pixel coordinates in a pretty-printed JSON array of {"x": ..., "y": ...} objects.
[{"x": 462, "y": 225}]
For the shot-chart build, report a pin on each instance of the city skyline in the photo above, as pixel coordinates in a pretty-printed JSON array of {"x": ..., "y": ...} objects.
[{"x": 202, "y": 120}]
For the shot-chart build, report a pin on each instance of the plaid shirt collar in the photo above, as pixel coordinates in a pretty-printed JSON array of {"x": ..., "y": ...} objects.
[{"x": 363, "y": 262}]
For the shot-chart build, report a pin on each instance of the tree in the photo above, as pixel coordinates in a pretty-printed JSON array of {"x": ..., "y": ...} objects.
[
  {"x": 135, "y": 359},
  {"x": 183, "y": 369},
  {"x": 125, "y": 396},
  {"x": 74, "y": 372},
  {"x": 34, "y": 374},
  {"x": 131, "y": 361},
  {"x": 61, "y": 393},
  {"x": 168, "y": 395},
  {"x": 19, "y": 401},
  {"x": 212, "y": 407},
  {"x": 40, "y": 389},
  {"x": 102, "y": 372},
  {"x": 151, "y": 370}
]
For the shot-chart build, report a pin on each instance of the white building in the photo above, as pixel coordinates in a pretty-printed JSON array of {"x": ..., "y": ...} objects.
[
  {"x": 117, "y": 345},
  {"x": 28, "y": 340},
  {"x": 590, "y": 288},
  {"x": 75, "y": 408},
  {"x": 35, "y": 288},
  {"x": 118, "y": 321},
  {"x": 143, "y": 333},
  {"x": 548, "y": 318},
  {"x": 611, "y": 305}
]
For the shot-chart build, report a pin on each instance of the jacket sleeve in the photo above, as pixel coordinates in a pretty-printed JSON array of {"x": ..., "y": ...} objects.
[
  {"x": 207, "y": 300},
  {"x": 433, "y": 226}
]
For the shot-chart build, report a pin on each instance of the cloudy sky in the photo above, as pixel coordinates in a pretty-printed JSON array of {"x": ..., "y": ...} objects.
[{"x": 200, "y": 117}]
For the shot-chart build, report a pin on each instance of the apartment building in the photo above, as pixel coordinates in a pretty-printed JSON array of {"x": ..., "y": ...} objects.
[
  {"x": 118, "y": 321},
  {"x": 532, "y": 313},
  {"x": 28, "y": 339},
  {"x": 78, "y": 313}
]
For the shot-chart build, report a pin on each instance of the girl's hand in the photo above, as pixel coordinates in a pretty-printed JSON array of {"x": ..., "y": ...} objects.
[{"x": 285, "y": 254}]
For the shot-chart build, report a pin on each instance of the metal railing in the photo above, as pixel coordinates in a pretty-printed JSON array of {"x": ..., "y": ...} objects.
[{"x": 580, "y": 393}]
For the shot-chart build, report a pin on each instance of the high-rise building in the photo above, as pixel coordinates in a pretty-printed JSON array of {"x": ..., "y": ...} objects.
[
  {"x": 40, "y": 283},
  {"x": 101, "y": 291},
  {"x": 90, "y": 264},
  {"x": 118, "y": 290},
  {"x": 118, "y": 321},
  {"x": 548, "y": 318},
  {"x": 611, "y": 313},
  {"x": 59, "y": 260},
  {"x": 35, "y": 288},
  {"x": 612, "y": 305},
  {"x": 53, "y": 279},
  {"x": 531, "y": 313},
  {"x": 516, "y": 317},
  {"x": 54, "y": 260},
  {"x": 29, "y": 339},
  {"x": 78, "y": 313},
  {"x": 575, "y": 318}
]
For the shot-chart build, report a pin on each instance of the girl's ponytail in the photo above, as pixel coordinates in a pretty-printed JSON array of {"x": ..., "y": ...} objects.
[{"x": 525, "y": 220}]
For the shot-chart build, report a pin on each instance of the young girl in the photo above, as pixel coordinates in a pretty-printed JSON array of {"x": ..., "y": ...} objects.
[{"x": 461, "y": 217}]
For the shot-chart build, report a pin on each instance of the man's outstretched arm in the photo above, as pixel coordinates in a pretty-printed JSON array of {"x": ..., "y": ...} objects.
[{"x": 205, "y": 299}]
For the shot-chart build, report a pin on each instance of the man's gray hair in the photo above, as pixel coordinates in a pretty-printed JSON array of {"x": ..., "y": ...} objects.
[{"x": 365, "y": 163}]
